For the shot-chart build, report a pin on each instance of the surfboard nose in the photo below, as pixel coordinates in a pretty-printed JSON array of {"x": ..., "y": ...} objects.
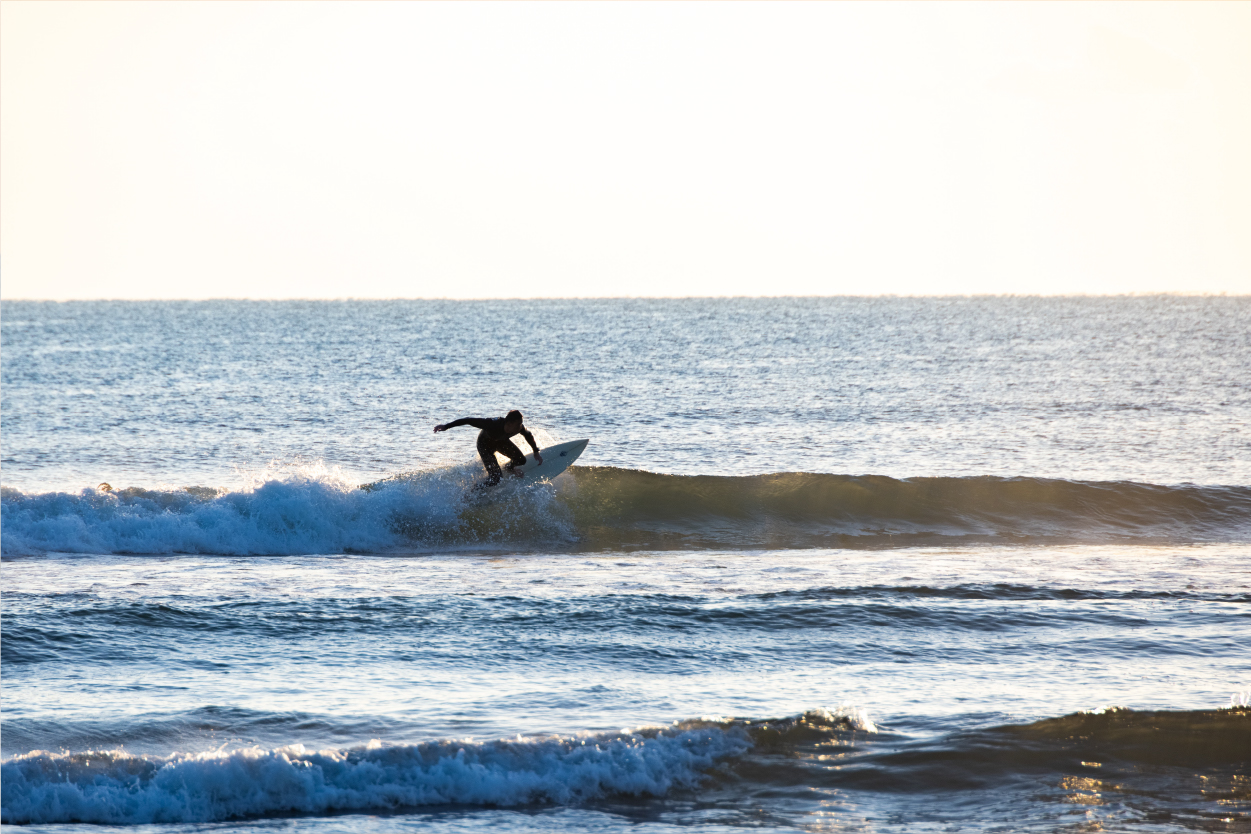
[
  {"x": 571, "y": 447},
  {"x": 567, "y": 452}
]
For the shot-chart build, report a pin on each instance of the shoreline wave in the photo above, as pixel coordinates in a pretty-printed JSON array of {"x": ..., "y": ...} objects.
[
  {"x": 1162, "y": 751},
  {"x": 117, "y": 788},
  {"x": 604, "y": 508}
]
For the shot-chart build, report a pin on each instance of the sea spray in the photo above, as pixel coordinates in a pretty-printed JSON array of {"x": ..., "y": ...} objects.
[{"x": 297, "y": 510}]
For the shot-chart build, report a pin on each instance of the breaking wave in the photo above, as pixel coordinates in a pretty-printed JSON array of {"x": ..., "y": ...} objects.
[
  {"x": 1151, "y": 755},
  {"x": 117, "y": 788},
  {"x": 591, "y": 508}
]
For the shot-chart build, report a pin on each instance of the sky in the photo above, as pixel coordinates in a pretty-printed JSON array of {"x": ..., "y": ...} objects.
[{"x": 524, "y": 150}]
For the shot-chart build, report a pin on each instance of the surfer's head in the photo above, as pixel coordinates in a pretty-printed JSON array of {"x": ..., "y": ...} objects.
[{"x": 513, "y": 418}]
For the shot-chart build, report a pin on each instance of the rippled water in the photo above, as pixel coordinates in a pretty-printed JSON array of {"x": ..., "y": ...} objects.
[
  {"x": 1148, "y": 389},
  {"x": 827, "y": 564}
]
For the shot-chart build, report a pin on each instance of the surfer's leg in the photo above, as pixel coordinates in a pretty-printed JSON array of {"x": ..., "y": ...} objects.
[
  {"x": 486, "y": 451},
  {"x": 515, "y": 457}
]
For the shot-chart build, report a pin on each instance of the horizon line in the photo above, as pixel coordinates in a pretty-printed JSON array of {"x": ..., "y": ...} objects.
[{"x": 1142, "y": 294}]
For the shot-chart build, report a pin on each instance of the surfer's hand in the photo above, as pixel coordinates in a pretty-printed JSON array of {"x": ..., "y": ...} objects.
[
  {"x": 440, "y": 428},
  {"x": 538, "y": 458}
]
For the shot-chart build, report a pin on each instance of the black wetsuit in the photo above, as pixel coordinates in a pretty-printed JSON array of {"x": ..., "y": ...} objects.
[{"x": 493, "y": 438}]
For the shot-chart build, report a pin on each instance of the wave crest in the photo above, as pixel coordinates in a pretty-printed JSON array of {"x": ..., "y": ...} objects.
[
  {"x": 117, "y": 788},
  {"x": 603, "y": 508},
  {"x": 1144, "y": 753}
]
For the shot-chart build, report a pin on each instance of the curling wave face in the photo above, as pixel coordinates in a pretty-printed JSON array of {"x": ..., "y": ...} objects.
[
  {"x": 1153, "y": 758},
  {"x": 314, "y": 511}
]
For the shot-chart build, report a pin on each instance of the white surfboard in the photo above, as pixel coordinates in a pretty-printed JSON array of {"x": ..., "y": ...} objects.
[{"x": 556, "y": 459}]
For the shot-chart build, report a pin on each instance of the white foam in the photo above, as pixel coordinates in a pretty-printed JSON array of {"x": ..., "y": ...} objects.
[
  {"x": 294, "y": 510},
  {"x": 116, "y": 788}
]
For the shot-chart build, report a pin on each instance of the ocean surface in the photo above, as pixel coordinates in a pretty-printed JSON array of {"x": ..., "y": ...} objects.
[{"x": 827, "y": 564}]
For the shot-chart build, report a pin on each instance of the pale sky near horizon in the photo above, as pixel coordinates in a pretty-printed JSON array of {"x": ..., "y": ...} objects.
[{"x": 495, "y": 150}]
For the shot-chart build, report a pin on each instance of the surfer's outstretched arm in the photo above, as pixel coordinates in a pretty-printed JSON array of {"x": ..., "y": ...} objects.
[{"x": 476, "y": 422}]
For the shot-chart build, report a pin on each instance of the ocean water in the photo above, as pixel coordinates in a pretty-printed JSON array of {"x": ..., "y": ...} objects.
[{"x": 843, "y": 564}]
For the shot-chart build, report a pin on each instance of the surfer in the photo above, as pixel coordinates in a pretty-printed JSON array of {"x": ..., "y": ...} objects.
[{"x": 495, "y": 436}]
